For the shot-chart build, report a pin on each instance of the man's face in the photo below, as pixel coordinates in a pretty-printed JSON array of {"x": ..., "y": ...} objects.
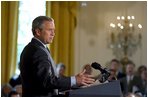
[
  {"x": 114, "y": 66},
  {"x": 130, "y": 69},
  {"x": 47, "y": 34}
]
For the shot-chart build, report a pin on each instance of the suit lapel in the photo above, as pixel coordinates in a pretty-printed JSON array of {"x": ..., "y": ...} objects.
[
  {"x": 41, "y": 46},
  {"x": 50, "y": 59}
]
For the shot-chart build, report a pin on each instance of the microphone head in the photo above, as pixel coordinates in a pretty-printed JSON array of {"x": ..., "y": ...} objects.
[
  {"x": 95, "y": 65},
  {"x": 104, "y": 72}
]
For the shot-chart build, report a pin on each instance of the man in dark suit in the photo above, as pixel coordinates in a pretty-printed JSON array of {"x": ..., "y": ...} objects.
[
  {"x": 114, "y": 69},
  {"x": 38, "y": 73},
  {"x": 130, "y": 83}
]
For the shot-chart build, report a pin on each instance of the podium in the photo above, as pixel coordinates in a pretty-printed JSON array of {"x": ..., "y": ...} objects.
[{"x": 111, "y": 89}]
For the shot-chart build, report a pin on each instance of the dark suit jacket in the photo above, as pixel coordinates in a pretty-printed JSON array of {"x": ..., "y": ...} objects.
[
  {"x": 126, "y": 88},
  {"x": 120, "y": 75},
  {"x": 37, "y": 73}
]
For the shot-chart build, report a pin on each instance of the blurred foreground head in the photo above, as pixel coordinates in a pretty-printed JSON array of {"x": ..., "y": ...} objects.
[{"x": 88, "y": 69}]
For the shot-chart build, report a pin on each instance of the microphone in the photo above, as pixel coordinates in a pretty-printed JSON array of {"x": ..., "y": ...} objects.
[
  {"x": 99, "y": 67},
  {"x": 104, "y": 72}
]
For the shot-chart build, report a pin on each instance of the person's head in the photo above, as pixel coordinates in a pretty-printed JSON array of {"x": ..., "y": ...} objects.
[
  {"x": 114, "y": 65},
  {"x": 112, "y": 75},
  {"x": 141, "y": 68},
  {"x": 130, "y": 68},
  {"x": 112, "y": 72},
  {"x": 43, "y": 28},
  {"x": 14, "y": 94},
  {"x": 133, "y": 95},
  {"x": 142, "y": 71},
  {"x": 61, "y": 69},
  {"x": 6, "y": 89},
  {"x": 18, "y": 89},
  {"x": 144, "y": 75},
  {"x": 88, "y": 69}
]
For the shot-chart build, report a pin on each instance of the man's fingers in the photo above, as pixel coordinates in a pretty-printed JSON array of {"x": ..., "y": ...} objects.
[
  {"x": 85, "y": 84},
  {"x": 88, "y": 80},
  {"x": 84, "y": 79}
]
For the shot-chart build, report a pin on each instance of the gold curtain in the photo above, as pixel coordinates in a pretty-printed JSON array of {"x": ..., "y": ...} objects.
[
  {"x": 62, "y": 48},
  {"x": 9, "y": 26}
]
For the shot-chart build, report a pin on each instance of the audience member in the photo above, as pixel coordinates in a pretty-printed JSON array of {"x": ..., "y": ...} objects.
[
  {"x": 132, "y": 95},
  {"x": 15, "y": 80},
  {"x": 13, "y": 93},
  {"x": 61, "y": 70},
  {"x": 6, "y": 89},
  {"x": 112, "y": 75},
  {"x": 18, "y": 89},
  {"x": 114, "y": 68},
  {"x": 131, "y": 81},
  {"x": 142, "y": 70}
]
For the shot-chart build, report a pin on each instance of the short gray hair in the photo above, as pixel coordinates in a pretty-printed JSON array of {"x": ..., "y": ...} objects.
[{"x": 38, "y": 21}]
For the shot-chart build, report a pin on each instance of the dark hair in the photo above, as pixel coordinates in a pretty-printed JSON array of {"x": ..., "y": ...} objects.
[
  {"x": 115, "y": 60},
  {"x": 130, "y": 63},
  {"x": 38, "y": 21},
  {"x": 87, "y": 66},
  {"x": 141, "y": 68},
  {"x": 61, "y": 65}
]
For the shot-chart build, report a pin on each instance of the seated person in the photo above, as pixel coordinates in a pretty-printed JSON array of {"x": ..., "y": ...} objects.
[
  {"x": 6, "y": 89},
  {"x": 61, "y": 69},
  {"x": 15, "y": 80},
  {"x": 18, "y": 89},
  {"x": 13, "y": 93}
]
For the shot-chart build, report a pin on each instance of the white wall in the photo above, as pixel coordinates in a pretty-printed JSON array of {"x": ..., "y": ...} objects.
[{"x": 92, "y": 31}]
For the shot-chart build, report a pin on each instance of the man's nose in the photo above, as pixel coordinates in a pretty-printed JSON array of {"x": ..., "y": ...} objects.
[{"x": 52, "y": 33}]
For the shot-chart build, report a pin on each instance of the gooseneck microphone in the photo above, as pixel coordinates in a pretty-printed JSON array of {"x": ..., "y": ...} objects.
[
  {"x": 104, "y": 72},
  {"x": 98, "y": 67}
]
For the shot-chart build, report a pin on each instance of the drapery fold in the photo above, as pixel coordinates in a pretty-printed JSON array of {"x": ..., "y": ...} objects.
[
  {"x": 62, "y": 48},
  {"x": 9, "y": 30}
]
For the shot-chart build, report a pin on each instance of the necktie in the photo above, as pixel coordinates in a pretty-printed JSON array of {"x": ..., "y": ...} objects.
[
  {"x": 130, "y": 79},
  {"x": 130, "y": 87}
]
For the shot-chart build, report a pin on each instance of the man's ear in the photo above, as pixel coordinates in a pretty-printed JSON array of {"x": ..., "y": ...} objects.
[{"x": 38, "y": 32}]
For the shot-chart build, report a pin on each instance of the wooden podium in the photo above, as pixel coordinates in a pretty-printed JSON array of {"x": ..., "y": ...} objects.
[{"x": 111, "y": 89}]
